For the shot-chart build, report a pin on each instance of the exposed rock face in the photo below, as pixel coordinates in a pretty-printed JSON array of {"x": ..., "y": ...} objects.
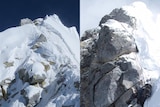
[
  {"x": 113, "y": 43},
  {"x": 32, "y": 94},
  {"x": 33, "y": 75},
  {"x": 119, "y": 15},
  {"x": 109, "y": 66}
]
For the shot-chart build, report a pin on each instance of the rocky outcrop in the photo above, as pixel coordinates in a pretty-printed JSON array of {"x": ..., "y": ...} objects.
[
  {"x": 32, "y": 94},
  {"x": 34, "y": 75},
  {"x": 119, "y": 15},
  {"x": 26, "y": 21},
  {"x": 109, "y": 65},
  {"x": 113, "y": 43}
]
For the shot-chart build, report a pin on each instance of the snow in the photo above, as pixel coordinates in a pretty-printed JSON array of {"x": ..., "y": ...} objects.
[
  {"x": 11, "y": 43},
  {"x": 38, "y": 69},
  {"x": 91, "y": 11},
  {"x": 68, "y": 37},
  {"x": 57, "y": 58},
  {"x": 146, "y": 34},
  {"x": 147, "y": 39},
  {"x": 17, "y": 104},
  {"x": 32, "y": 90}
]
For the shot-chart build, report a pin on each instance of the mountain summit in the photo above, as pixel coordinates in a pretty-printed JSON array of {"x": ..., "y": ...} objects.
[
  {"x": 39, "y": 64},
  {"x": 120, "y": 56}
]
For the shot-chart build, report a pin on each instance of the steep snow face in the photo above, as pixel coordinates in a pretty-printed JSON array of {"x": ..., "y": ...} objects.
[
  {"x": 39, "y": 64},
  {"x": 147, "y": 38},
  {"x": 146, "y": 35}
]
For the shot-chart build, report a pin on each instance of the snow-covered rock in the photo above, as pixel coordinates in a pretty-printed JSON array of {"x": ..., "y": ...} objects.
[
  {"x": 118, "y": 57},
  {"x": 37, "y": 73},
  {"x": 39, "y": 64},
  {"x": 109, "y": 66},
  {"x": 32, "y": 95},
  {"x": 114, "y": 41},
  {"x": 25, "y": 21}
]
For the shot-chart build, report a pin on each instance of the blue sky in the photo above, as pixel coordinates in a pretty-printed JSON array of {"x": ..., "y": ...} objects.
[{"x": 11, "y": 11}]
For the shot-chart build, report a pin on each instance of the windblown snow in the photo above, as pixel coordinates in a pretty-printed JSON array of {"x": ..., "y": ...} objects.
[
  {"x": 147, "y": 37},
  {"x": 39, "y": 64}
]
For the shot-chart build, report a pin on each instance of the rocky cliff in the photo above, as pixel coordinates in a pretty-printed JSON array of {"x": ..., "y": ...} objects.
[{"x": 110, "y": 68}]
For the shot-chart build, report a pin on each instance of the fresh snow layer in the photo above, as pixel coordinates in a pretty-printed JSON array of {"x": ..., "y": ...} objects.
[
  {"x": 147, "y": 38},
  {"x": 45, "y": 49}
]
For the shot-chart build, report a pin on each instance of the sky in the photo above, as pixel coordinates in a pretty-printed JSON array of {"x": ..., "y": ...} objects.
[
  {"x": 11, "y": 11},
  {"x": 91, "y": 11}
]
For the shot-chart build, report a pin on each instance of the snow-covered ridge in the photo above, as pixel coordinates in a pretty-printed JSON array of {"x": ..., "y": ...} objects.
[{"x": 39, "y": 64}]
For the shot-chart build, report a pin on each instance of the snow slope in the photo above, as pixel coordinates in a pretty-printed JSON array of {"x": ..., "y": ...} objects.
[
  {"x": 147, "y": 37},
  {"x": 39, "y": 64}
]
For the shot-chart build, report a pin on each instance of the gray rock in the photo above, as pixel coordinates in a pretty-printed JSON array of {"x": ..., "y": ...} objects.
[
  {"x": 109, "y": 67},
  {"x": 104, "y": 90},
  {"x": 41, "y": 38},
  {"x": 68, "y": 106},
  {"x": 23, "y": 75},
  {"x": 104, "y": 84},
  {"x": 37, "y": 44},
  {"x": 92, "y": 33},
  {"x": 112, "y": 44},
  {"x": 119, "y": 15},
  {"x": 122, "y": 16},
  {"x": 38, "y": 21},
  {"x": 32, "y": 94},
  {"x": 37, "y": 79},
  {"x": 31, "y": 76},
  {"x": 105, "y": 19},
  {"x": 25, "y": 21},
  {"x": 8, "y": 64},
  {"x": 121, "y": 102},
  {"x": 88, "y": 46}
]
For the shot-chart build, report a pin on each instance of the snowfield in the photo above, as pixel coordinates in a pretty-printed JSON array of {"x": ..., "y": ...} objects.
[{"x": 39, "y": 64}]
